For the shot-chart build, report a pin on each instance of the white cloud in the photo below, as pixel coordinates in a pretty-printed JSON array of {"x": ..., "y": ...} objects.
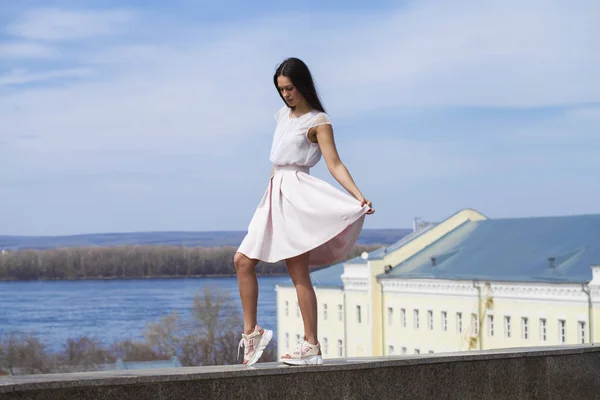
[
  {"x": 19, "y": 76},
  {"x": 587, "y": 114},
  {"x": 177, "y": 93},
  {"x": 460, "y": 54},
  {"x": 27, "y": 50},
  {"x": 56, "y": 24},
  {"x": 429, "y": 55},
  {"x": 156, "y": 108}
]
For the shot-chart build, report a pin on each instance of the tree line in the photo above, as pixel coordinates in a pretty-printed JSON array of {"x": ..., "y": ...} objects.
[
  {"x": 209, "y": 337},
  {"x": 130, "y": 262}
]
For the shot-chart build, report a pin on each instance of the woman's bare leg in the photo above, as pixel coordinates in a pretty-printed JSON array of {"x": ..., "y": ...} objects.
[
  {"x": 248, "y": 285},
  {"x": 307, "y": 300}
]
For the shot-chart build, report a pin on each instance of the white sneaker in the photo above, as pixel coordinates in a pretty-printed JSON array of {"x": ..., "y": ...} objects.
[
  {"x": 304, "y": 354},
  {"x": 254, "y": 344}
]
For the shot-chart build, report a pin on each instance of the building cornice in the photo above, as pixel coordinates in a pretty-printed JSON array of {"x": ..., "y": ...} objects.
[
  {"x": 328, "y": 288},
  {"x": 499, "y": 290},
  {"x": 432, "y": 287},
  {"x": 355, "y": 283}
]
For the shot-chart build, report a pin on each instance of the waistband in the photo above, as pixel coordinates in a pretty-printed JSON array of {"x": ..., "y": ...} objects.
[{"x": 279, "y": 168}]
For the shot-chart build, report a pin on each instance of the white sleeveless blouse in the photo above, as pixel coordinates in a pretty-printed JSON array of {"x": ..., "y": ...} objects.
[{"x": 291, "y": 145}]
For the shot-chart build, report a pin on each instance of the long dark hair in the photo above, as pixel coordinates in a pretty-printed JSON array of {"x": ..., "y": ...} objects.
[{"x": 299, "y": 74}]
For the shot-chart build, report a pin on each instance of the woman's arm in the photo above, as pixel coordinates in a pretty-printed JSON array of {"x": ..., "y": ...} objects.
[{"x": 324, "y": 136}]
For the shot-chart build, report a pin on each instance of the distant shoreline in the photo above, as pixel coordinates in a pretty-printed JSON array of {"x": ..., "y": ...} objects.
[
  {"x": 128, "y": 262},
  {"x": 11, "y": 243}
]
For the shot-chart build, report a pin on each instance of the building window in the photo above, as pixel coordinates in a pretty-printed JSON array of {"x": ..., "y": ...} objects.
[
  {"x": 582, "y": 332},
  {"x": 287, "y": 308},
  {"x": 287, "y": 340},
  {"x": 340, "y": 348},
  {"x": 543, "y": 329},
  {"x": 297, "y": 310},
  {"x": 562, "y": 331},
  {"x": 390, "y": 350},
  {"x": 390, "y": 316},
  {"x": 507, "y": 326},
  {"x": 524, "y": 328},
  {"x": 325, "y": 312},
  {"x": 416, "y": 319},
  {"x": 340, "y": 312},
  {"x": 403, "y": 350},
  {"x": 430, "y": 320},
  {"x": 490, "y": 323},
  {"x": 403, "y": 317},
  {"x": 459, "y": 322},
  {"x": 358, "y": 315},
  {"x": 444, "y": 321},
  {"x": 474, "y": 324},
  {"x": 417, "y": 351},
  {"x": 325, "y": 346},
  {"x": 297, "y": 340}
]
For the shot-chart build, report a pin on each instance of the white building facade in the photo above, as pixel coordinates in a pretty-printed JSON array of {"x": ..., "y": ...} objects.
[{"x": 466, "y": 283}]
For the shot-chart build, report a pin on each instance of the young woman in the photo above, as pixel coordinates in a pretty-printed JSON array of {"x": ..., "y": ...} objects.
[{"x": 300, "y": 219}]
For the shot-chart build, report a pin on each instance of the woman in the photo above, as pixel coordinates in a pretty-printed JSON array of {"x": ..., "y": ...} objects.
[{"x": 300, "y": 219}]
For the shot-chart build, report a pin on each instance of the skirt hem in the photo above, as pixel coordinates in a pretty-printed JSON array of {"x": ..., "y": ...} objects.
[{"x": 310, "y": 248}]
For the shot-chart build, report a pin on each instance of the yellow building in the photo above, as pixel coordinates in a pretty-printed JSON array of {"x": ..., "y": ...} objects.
[{"x": 468, "y": 282}]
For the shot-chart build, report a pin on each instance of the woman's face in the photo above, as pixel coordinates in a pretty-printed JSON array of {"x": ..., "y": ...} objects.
[{"x": 289, "y": 92}]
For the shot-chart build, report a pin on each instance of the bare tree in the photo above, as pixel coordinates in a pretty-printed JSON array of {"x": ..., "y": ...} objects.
[
  {"x": 164, "y": 336},
  {"x": 216, "y": 319},
  {"x": 24, "y": 354},
  {"x": 131, "y": 350},
  {"x": 83, "y": 354}
]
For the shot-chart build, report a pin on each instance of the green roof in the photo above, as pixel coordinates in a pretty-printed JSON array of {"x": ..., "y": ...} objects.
[{"x": 539, "y": 249}]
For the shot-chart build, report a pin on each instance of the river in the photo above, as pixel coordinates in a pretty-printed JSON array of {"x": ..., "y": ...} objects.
[{"x": 112, "y": 310}]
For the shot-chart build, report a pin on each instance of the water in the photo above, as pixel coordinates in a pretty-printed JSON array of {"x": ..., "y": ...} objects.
[{"x": 112, "y": 310}]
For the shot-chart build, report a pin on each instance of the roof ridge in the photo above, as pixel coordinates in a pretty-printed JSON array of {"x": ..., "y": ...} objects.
[
  {"x": 434, "y": 242},
  {"x": 538, "y": 217}
]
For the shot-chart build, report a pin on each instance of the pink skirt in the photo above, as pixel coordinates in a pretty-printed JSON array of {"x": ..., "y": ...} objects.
[{"x": 300, "y": 213}]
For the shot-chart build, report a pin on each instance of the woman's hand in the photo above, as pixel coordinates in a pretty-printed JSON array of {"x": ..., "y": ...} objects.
[{"x": 364, "y": 202}]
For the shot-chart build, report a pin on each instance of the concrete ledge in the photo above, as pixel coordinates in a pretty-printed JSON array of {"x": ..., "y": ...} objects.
[{"x": 525, "y": 373}]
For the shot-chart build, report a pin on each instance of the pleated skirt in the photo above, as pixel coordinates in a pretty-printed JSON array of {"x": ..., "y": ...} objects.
[{"x": 299, "y": 213}]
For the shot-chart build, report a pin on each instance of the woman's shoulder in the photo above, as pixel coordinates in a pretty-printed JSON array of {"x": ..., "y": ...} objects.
[
  {"x": 320, "y": 118},
  {"x": 281, "y": 112}
]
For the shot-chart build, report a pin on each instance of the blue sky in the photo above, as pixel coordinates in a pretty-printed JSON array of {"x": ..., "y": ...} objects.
[{"x": 119, "y": 116}]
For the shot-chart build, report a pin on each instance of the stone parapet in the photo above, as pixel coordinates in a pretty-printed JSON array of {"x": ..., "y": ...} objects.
[{"x": 522, "y": 373}]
